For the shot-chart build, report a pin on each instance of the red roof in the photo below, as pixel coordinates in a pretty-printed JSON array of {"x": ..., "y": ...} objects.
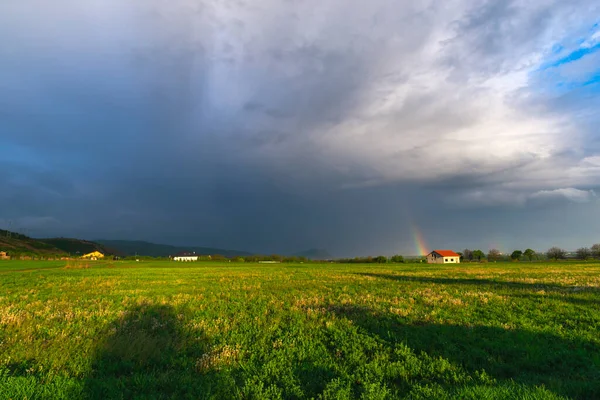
[{"x": 446, "y": 253}]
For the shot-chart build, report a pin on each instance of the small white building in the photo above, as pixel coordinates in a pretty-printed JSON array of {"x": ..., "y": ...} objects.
[
  {"x": 443, "y": 257},
  {"x": 185, "y": 257}
]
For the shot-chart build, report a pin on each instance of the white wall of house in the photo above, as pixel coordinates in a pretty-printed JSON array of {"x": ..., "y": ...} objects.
[
  {"x": 451, "y": 260},
  {"x": 434, "y": 258},
  {"x": 188, "y": 258}
]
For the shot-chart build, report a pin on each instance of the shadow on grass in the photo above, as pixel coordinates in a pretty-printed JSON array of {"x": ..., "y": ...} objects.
[
  {"x": 571, "y": 298},
  {"x": 148, "y": 355},
  {"x": 566, "y": 367},
  {"x": 484, "y": 282}
]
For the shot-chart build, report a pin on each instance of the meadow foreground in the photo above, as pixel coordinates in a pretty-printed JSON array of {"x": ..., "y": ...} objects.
[{"x": 327, "y": 331}]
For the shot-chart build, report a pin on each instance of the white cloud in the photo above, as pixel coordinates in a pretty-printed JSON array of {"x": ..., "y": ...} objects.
[
  {"x": 571, "y": 194},
  {"x": 593, "y": 40},
  {"x": 487, "y": 198},
  {"x": 504, "y": 197}
]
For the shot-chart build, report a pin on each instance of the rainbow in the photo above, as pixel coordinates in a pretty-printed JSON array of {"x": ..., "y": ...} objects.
[{"x": 420, "y": 246}]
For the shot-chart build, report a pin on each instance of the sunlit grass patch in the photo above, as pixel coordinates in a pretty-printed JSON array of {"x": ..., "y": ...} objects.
[
  {"x": 77, "y": 264},
  {"x": 219, "y": 357}
]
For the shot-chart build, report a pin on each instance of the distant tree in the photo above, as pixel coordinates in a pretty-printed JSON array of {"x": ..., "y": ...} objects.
[
  {"x": 556, "y": 253},
  {"x": 493, "y": 254},
  {"x": 380, "y": 259},
  {"x": 596, "y": 250},
  {"x": 478, "y": 254},
  {"x": 275, "y": 257},
  {"x": 516, "y": 255},
  {"x": 397, "y": 259},
  {"x": 529, "y": 253},
  {"x": 583, "y": 253},
  {"x": 467, "y": 254}
]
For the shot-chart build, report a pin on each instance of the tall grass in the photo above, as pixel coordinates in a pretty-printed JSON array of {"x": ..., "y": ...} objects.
[{"x": 205, "y": 330}]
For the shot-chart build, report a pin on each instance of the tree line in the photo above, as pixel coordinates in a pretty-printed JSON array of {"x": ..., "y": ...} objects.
[
  {"x": 467, "y": 255},
  {"x": 553, "y": 253},
  {"x": 372, "y": 260}
]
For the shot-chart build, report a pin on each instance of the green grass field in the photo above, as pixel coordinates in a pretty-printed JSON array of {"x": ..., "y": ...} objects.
[{"x": 324, "y": 331}]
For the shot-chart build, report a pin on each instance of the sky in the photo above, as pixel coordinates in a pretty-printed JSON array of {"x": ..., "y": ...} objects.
[{"x": 363, "y": 128}]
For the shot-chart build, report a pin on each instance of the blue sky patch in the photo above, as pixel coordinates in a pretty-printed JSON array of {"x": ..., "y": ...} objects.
[{"x": 573, "y": 56}]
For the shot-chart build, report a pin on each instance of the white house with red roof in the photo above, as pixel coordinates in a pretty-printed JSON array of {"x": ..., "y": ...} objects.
[{"x": 443, "y": 257}]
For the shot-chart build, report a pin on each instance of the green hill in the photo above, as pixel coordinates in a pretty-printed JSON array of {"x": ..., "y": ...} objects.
[
  {"x": 78, "y": 247},
  {"x": 16, "y": 244}
]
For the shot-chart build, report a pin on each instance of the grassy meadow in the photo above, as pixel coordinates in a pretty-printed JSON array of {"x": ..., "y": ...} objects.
[{"x": 298, "y": 331}]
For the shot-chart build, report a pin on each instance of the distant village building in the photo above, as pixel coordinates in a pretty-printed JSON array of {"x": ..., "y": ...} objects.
[
  {"x": 443, "y": 257},
  {"x": 4, "y": 256},
  {"x": 94, "y": 255},
  {"x": 185, "y": 256}
]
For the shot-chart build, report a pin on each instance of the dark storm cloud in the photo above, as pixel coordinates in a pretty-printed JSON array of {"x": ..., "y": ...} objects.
[{"x": 275, "y": 128}]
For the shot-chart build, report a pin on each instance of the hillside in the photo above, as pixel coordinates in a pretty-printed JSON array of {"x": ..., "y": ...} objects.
[
  {"x": 15, "y": 243},
  {"x": 78, "y": 246},
  {"x": 133, "y": 247},
  {"x": 21, "y": 244}
]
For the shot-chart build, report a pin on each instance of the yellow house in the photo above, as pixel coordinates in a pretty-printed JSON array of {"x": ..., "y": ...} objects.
[
  {"x": 93, "y": 255},
  {"x": 4, "y": 256}
]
